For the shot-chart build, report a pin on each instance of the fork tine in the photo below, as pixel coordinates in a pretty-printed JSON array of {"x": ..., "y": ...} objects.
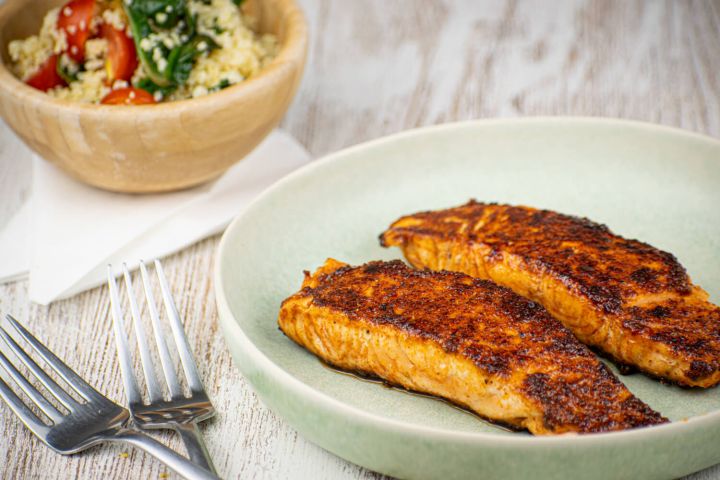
[
  {"x": 32, "y": 392},
  {"x": 126, "y": 368},
  {"x": 186, "y": 356},
  {"x": 165, "y": 360},
  {"x": 58, "y": 392},
  {"x": 66, "y": 373},
  {"x": 154, "y": 390},
  {"x": 26, "y": 415}
]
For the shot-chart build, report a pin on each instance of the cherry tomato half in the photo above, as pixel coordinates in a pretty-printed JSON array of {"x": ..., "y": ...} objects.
[
  {"x": 121, "y": 59},
  {"x": 46, "y": 77},
  {"x": 75, "y": 18},
  {"x": 128, "y": 96}
]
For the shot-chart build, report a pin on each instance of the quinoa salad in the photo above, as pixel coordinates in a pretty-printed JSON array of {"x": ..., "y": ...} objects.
[{"x": 133, "y": 52}]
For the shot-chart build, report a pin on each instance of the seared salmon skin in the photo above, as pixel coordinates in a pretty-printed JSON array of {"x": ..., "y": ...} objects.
[
  {"x": 468, "y": 340},
  {"x": 626, "y": 298}
]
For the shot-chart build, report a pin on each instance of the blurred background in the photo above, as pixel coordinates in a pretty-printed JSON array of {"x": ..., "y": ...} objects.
[{"x": 377, "y": 67}]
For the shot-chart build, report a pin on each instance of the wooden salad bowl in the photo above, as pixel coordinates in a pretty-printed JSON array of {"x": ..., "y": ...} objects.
[{"x": 153, "y": 148}]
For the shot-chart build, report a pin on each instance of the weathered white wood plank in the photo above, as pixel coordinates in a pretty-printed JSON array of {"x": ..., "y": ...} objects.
[{"x": 375, "y": 68}]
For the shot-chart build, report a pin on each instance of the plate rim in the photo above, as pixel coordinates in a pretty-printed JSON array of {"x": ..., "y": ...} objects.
[{"x": 288, "y": 381}]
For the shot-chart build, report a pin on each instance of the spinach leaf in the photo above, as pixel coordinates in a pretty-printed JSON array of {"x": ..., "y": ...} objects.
[
  {"x": 167, "y": 66},
  {"x": 182, "y": 58},
  {"x": 159, "y": 14},
  {"x": 137, "y": 13},
  {"x": 222, "y": 84},
  {"x": 152, "y": 87},
  {"x": 217, "y": 28}
]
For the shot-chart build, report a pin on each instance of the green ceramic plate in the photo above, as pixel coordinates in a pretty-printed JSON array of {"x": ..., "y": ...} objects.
[{"x": 654, "y": 183}]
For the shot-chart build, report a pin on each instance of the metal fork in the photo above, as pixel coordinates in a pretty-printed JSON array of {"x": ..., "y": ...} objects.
[
  {"x": 179, "y": 413},
  {"x": 94, "y": 419}
]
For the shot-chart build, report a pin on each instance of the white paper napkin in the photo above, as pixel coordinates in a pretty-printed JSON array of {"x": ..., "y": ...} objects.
[
  {"x": 68, "y": 232},
  {"x": 14, "y": 245}
]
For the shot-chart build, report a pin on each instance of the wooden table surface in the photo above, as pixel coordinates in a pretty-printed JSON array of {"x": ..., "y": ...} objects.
[{"x": 375, "y": 68}]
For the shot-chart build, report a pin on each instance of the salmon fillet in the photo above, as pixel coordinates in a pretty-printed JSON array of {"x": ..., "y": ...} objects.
[
  {"x": 626, "y": 298},
  {"x": 467, "y": 340}
]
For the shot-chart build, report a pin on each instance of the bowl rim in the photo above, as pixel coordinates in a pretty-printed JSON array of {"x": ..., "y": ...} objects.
[
  {"x": 292, "y": 49},
  {"x": 231, "y": 326}
]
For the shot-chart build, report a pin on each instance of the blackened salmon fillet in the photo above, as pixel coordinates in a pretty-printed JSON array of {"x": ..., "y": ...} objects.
[
  {"x": 467, "y": 340},
  {"x": 632, "y": 301}
]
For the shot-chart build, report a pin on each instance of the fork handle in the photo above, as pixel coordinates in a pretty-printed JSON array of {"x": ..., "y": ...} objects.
[
  {"x": 195, "y": 444},
  {"x": 176, "y": 462}
]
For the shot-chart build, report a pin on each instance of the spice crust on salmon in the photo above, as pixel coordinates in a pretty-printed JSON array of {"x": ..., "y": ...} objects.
[
  {"x": 634, "y": 302},
  {"x": 467, "y": 340}
]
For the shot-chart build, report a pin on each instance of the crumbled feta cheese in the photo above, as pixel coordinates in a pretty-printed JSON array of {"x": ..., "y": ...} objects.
[{"x": 161, "y": 17}]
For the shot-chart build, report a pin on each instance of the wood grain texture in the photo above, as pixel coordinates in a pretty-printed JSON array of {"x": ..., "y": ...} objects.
[
  {"x": 375, "y": 68},
  {"x": 187, "y": 142}
]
